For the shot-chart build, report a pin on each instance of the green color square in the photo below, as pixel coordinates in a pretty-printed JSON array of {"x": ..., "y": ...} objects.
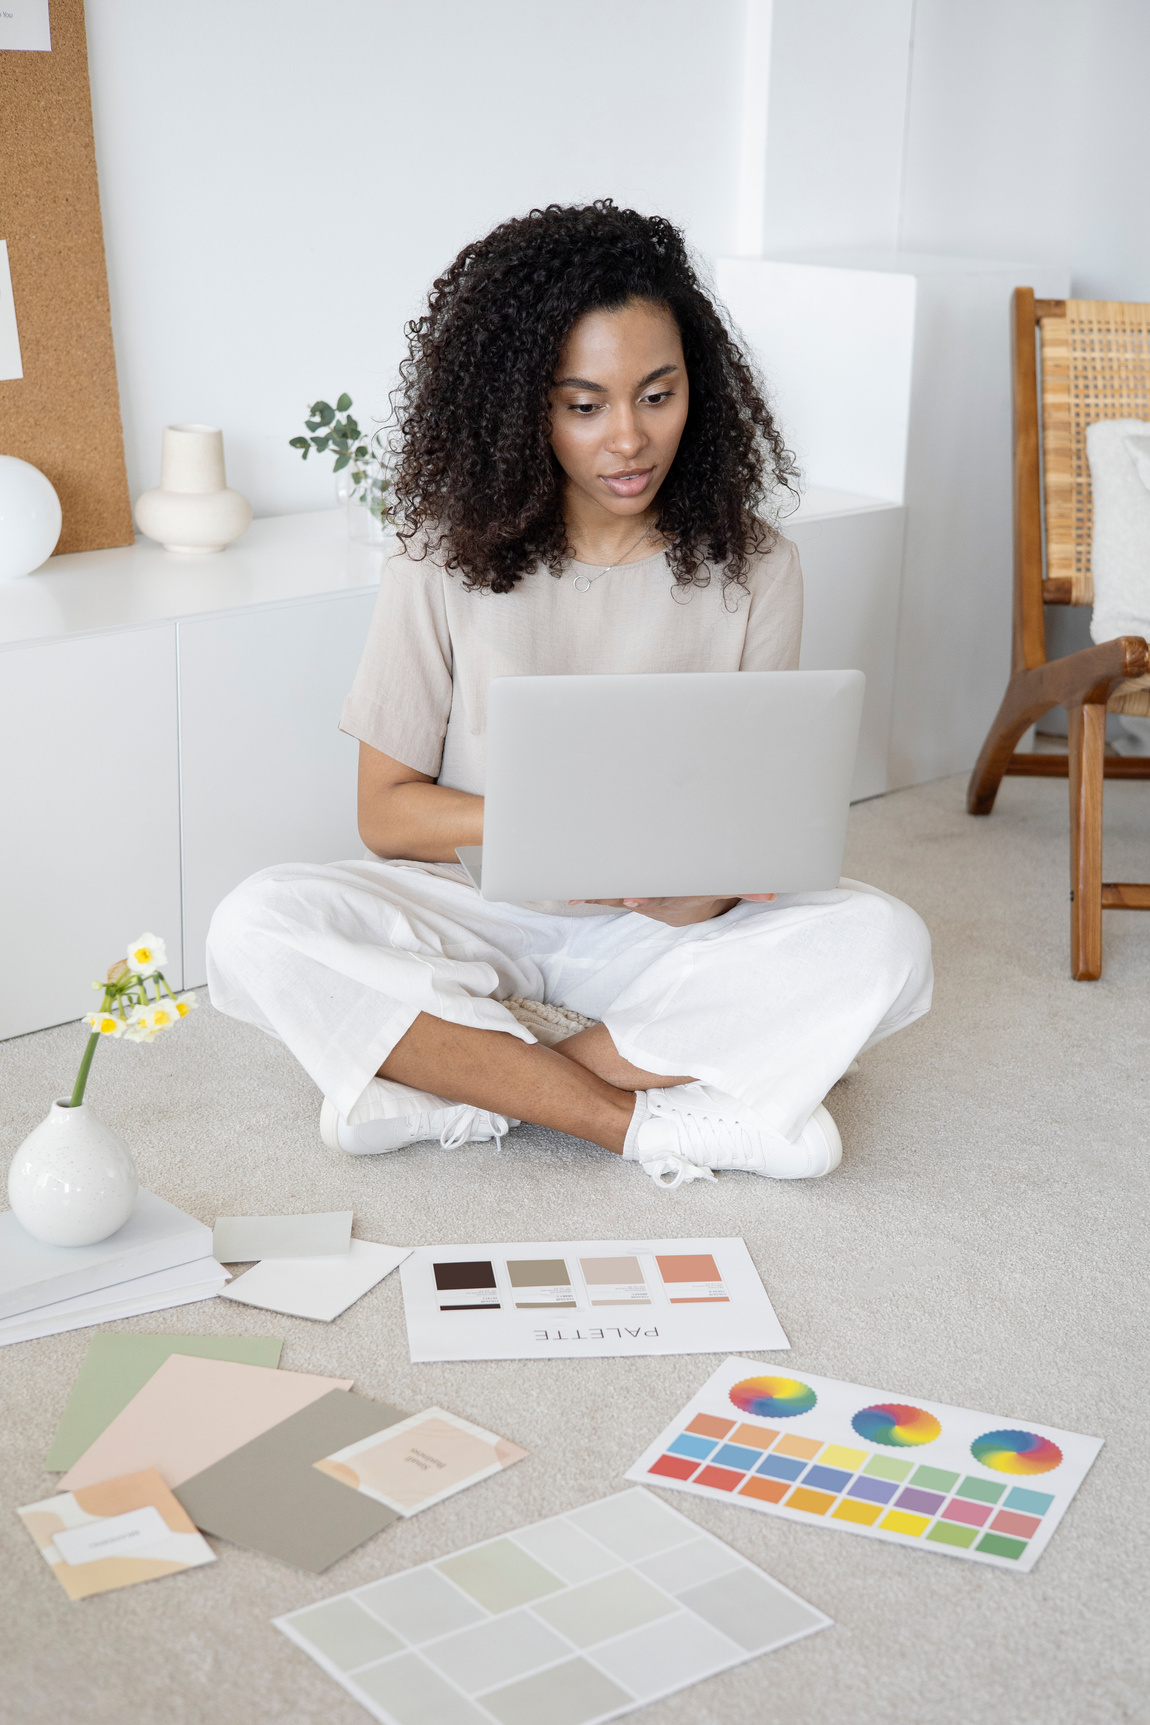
[
  {"x": 345, "y": 1633},
  {"x": 981, "y": 1490},
  {"x": 606, "y": 1607},
  {"x": 564, "y": 1695},
  {"x": 949, "y": 1533},
  {"x": 934, "y": 1478},
  {"x": 499, "y": 1575},
  {"x": 998, "y": 1545},
  {"x": 885, "y": 1467}
]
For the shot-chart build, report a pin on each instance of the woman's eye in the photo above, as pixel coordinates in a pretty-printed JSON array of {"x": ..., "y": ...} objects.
[
  {"x": 658, "y": 395},
  {"x": 584, "y": 407}
]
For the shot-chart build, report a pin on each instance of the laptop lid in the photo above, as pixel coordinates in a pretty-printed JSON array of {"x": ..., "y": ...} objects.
[{"x": 698, "y": 782}]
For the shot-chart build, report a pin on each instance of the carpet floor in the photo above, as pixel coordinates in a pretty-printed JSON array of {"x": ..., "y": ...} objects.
[{"x": 980, "y": 1245}]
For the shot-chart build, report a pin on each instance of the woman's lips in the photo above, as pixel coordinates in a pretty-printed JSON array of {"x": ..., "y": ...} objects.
[{"x": 628, "y": 484}]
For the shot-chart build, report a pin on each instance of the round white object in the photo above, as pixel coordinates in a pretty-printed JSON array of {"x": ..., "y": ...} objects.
[
  {"x": 30, "y": 517},
  {"x": 72, "y": 1182},
  {"x": 192, "y": 509}
]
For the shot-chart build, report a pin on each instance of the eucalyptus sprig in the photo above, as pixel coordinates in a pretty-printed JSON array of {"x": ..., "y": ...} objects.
[{"x": 368, "y": 462}]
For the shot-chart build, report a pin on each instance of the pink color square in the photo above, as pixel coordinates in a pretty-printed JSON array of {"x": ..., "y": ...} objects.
[
  {"x": 721, "y": 1478},
  {"x": 1009, "y": 1521},
  {"x": 973, "y": 1514}
]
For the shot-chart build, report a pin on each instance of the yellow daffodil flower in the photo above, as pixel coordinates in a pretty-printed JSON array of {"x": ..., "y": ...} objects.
[
  {"x": 184, "y": 1003},
  {"x": 106, "y": 1023}
]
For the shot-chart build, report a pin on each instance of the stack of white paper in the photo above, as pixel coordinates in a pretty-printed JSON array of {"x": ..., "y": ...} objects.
[{"x": 159, "y": 1258}]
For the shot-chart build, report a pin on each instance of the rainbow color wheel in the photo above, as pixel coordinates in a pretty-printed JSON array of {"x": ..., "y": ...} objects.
[
  {"x": 1016, "y": 1452},
  {"x": 896, "y": 1424},
  {"x": 773, "y": 1398}
]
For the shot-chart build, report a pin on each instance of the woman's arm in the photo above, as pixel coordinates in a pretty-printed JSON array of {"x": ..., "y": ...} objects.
[{"x": 403, "y": 813}]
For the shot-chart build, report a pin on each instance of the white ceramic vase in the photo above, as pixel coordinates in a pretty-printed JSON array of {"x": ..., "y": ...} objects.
[
  {"x": 30, "y": 517},
  {"x": 72, "y": 1181},
  {"x": 193, "y": 509}
]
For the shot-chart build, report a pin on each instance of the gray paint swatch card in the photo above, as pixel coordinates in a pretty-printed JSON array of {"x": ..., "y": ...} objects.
[
  {"x": 244, "y": 1239},
  {"x": 270, "y": 1497}
]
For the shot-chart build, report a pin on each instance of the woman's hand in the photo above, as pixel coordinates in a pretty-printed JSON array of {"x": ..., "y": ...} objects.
[{"x": 679, "y": 912}]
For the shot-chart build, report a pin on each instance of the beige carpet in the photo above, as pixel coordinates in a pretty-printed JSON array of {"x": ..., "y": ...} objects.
[{"x": 981, "y": 1244}]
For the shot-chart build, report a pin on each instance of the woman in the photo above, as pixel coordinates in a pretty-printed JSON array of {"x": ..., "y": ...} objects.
[{"x": 584, "y": 453}]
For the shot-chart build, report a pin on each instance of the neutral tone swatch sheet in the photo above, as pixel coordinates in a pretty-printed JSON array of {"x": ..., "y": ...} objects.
[
  {"x": 243, "y": 1239},
  {"x": 190, "y": 1413},
  {"x": 562, "y": 1299},
  {"x": 118, "y": 1365},
  {"x": 906, "y": 1470},
  {"x": 114, "y": 1534},
  {"x": 421, "y": 1460},
  {"x": 268, "y": 1496},
  {"x": 319, "y": 1288},
  {"x": 576, "y": 1619}
]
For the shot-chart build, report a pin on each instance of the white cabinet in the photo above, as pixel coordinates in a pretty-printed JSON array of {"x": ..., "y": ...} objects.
[
  {"x": 89, "y": 804},
  {"x": 266, "y": 776}
]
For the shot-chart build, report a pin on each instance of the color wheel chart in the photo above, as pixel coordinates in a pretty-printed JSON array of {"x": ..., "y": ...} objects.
[{"x": 917, "y": 1473}]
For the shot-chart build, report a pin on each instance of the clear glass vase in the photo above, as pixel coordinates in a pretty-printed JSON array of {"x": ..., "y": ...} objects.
[{"x": 364, "y": 489}]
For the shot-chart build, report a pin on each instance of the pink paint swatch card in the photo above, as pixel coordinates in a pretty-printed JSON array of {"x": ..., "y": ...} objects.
[{"x": 421, "y": 1460}]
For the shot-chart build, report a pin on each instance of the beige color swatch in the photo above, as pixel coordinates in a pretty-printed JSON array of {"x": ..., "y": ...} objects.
[
  {"x": 145, "y": 1532},
  {"x": 193, "y": 1412},
  {"x": 420, "y": 1460}
]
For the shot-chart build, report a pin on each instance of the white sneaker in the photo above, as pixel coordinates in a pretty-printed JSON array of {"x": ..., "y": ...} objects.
[
  {"x": 682, "y": 1133},
  {"x": 454, "y": 1124}
]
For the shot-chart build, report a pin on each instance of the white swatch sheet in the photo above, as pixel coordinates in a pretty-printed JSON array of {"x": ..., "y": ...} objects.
[
  {"x": 561, "y": 1299},
  {"x": 892, "y": 1466},
  {"x": 243, "y": 1239},
  {"x": 319, "y": 1288},
  {"x": 183, "y": 1285},
  {"x": 580, "y": 1618}
]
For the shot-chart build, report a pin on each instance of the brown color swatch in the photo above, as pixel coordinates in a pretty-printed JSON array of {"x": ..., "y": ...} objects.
[{"x": 64, "y": 414}]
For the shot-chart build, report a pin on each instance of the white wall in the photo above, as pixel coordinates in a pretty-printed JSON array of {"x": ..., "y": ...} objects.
[{"x": 280, "y": 182}]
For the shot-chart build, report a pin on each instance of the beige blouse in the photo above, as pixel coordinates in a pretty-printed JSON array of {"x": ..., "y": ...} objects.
[{"x": 420, "y": 694}]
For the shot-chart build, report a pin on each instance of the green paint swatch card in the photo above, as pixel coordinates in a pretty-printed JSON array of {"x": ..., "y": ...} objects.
[{"x": 117, "y": 1366}]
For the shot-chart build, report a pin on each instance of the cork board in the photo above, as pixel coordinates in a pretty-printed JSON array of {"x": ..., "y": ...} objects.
[{"x": 64, "y": 414}]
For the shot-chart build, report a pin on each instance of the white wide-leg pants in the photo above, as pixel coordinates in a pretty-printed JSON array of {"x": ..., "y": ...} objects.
[{"x": 769, "y": 1003}]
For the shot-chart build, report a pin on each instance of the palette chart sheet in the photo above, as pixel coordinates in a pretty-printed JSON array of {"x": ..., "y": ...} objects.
[
  {"x": 560, "y": 1298},
  {"x": 920, "y": 1473},
  {"x": 582, "y": 1617}
]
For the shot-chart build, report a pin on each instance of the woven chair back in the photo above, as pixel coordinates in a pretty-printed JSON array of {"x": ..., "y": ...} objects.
[{"x": 1095, "y": 364}]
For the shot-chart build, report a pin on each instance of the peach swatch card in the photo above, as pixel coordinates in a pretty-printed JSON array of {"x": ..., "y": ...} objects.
[
  {"x": 115, "y": 1534},
  {"x": 420, "y": 1460}
]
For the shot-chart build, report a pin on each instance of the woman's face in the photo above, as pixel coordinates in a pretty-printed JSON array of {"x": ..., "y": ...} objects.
[{"x": 619, "y": 405}]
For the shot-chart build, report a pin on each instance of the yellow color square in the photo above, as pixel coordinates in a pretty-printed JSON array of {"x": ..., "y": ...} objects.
[
  {"x": 837, "y": 1455},
  {"x": 802, "y": 1447},
  {"x": 814, "y": 1502},
  {"x": 899, "y": 1521},
  {"x": 851, "y": 1510}
]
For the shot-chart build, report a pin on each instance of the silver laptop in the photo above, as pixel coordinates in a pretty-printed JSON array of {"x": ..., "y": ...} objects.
[{"x": 697, "y": 782}]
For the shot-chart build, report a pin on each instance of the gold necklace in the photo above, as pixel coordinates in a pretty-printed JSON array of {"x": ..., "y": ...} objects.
[{"x": 584, "y": 583}]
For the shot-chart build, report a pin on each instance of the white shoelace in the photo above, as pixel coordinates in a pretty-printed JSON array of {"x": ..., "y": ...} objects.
[
  {"x": 459, "y": 1128},
  {"x": 678, "y": 1167},
  {"x": 710, "y": 1137}
]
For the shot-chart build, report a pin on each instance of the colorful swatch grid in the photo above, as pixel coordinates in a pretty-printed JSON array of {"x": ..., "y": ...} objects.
[
  {"x": 915, "y": 1473},
  {"x": 579, "y": 1619},
  {"x": 599, "y": 1297}
]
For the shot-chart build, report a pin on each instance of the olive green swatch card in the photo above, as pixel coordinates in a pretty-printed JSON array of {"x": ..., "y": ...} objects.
[{"x": 117, "y": 1366}]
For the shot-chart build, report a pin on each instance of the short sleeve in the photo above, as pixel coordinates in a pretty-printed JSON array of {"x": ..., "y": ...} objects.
[
  {"x": 775, "y": 624},
  {"x": 400, "y": 701}
]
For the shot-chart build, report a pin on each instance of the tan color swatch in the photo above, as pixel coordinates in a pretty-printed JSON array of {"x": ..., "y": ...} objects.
[
  {"x": 420, "y": 1460},
  {"x": 109, "y": 1515},
  {"x": 193, "y": 1412}
]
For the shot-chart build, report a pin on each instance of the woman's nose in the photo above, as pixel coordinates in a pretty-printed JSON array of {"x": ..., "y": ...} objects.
[{"x": 625, "y": 437}]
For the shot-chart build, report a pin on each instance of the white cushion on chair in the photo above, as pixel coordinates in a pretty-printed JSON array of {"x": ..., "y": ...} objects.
[{"x": 1119, "y": 455}]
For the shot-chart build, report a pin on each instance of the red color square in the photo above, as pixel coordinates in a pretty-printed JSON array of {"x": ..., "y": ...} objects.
[
  {"x": 674, "y": 1466},
  {"x": 1009, "y": 1521},
  {"x": 722, "y": 1478},
  {"x": 970, "y": 1514},
  {"x": 770, "y": 1490}
]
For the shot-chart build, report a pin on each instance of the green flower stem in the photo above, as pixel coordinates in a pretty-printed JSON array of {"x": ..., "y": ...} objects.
[{"x": 85, "y": 1068}]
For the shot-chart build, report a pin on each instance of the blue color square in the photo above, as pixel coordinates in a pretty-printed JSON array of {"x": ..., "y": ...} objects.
[
  {"x": 781, "y": 1467},
  {"x": 873, "y": 1490},
  {"x": 698, "y": 1447},
  {"x": 736, "y": 1455},
  {"x": 1033, "y": 1502},
  {"x": 826, "y": 1478}
]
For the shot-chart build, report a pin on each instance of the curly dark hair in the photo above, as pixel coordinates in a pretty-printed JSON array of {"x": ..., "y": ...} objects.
[{"x": 477, "y": 480}]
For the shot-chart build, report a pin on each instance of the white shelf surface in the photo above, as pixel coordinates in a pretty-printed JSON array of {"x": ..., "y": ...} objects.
[{"x": 281, "y": 557}]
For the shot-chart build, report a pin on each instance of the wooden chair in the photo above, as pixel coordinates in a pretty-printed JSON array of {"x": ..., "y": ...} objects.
[{"x": 1093, "y": 357}]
